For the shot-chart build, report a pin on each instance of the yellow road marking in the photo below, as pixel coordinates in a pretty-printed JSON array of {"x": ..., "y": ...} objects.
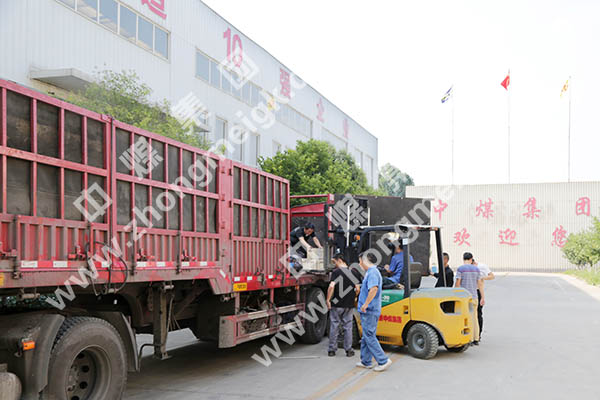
[
  {"x": 362, "y": 382},
  {"x": 335, "y": 384}
]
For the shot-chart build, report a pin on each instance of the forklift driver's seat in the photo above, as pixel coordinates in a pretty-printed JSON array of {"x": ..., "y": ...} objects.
[{"x": 415, "y": 274}]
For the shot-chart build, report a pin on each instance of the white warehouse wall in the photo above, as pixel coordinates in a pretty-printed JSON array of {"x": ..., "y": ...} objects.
[
  {"x": 48, "y": 35},
  {"x": 540, "y": 226}
]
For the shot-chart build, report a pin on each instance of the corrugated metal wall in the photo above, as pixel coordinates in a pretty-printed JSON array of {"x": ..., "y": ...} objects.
[
  {"x": 46, "y": 34},
  {"x": 519, "y": 227}
]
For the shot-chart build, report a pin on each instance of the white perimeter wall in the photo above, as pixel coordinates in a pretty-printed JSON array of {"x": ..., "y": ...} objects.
[{"x": 536, "y": 249}]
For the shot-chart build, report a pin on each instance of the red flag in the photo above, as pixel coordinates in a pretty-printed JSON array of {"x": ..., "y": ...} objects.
[{"x": 506, "y": 81}]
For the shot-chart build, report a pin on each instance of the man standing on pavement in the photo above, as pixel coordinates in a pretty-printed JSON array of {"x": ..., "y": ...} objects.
[
  {"x": 305, "y": 235},
  {"x": 485, "y": 274},
  {"x": 343, "y": 288},
  {"x": 448, "y": 271},
  {"x": 369, "y": 307},
  {"x": 468, "y": 277}
]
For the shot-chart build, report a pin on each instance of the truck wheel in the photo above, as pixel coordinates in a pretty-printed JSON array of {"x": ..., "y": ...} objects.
[
  {"x": 88, "y": 362},
  {"x": 460, "y": 349},
  {"x": 422, "y": 341},
  {"x": 314, "y": 330}
]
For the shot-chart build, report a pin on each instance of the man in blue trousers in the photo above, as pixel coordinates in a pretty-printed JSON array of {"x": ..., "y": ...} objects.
[{"x": 369, "y": 307}]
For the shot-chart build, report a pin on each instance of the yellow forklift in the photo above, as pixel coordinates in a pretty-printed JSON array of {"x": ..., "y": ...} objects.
[{"x": 420, "y": 318}]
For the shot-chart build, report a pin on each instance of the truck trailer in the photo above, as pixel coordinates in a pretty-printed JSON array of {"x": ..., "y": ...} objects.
[{"x": 108, "y": 231}]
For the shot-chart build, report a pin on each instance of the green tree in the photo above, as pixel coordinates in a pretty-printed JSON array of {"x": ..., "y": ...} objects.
[
  {"x": 583, "y": 249},
  {"x": 316, "y": 167},
  {"x": 125, "y": 97},
  {"x": 393, "y": 182}
]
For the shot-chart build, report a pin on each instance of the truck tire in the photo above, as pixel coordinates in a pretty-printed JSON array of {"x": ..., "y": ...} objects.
[
  {"x": 422, "y": 341},
  {"x": 314, "y": 330},
  {"x": 88, "y": 362},
  {"x": 460, "y": 349}
]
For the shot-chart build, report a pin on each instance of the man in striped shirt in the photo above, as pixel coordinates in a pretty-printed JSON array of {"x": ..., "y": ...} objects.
[{"x": 469, "y": 278}]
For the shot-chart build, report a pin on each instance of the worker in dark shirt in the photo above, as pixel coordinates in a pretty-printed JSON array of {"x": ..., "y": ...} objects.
[
  {"x": 303, "y": 238},
  {"x": 341, "y": 294},
  {"x": 448, "y": 271}
]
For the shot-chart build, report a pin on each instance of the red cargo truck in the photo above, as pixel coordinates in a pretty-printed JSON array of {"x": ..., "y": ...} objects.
[{"x": 108, "y": 230}]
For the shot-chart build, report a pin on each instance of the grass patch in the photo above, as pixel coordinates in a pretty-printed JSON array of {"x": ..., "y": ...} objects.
[{"x": 591, "y": 276}]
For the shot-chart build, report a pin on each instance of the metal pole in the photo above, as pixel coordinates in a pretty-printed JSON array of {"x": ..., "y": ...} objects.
[
  {"x": 406, "y": 257},
  {"x": 452, "y": 133},
  {"x": 569, "y": 136},
  {"x": 440, "y": 256},
  {"x": 508, "y": 119}
]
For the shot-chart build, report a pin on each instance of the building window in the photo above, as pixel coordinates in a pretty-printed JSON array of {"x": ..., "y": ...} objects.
[
  {"x": 225, "y": 83},
  {"x": 89, "y": 8},
  {"x": 293, "y": 119},
  {"x": 202, "y": 66},
  {"x": 215, "y": 75},
  {"x": 253, "y": 149},
  {"x": 145, "y": 34},
  {"x": 109, "y": 14},
  {"x": 116, "y": 17},
  {"x": 247, "y": 92},
  {"x": 236, "y": 91},
  {"x": 255, "y": 96},
  {"x": 161, "y": 42},
  {"x": 220, "y": 130},
  {"x": 358, "y": 157},
  {"x": 237, "y": 137},
  {"x": 128, "y": 23}
]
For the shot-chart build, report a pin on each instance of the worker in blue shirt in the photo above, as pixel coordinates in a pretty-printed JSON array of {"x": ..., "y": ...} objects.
[{"x": 397, "y": 264}]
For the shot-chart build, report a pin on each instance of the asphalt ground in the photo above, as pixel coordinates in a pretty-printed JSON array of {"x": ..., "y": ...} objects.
[{"x": 541, "y": 341}]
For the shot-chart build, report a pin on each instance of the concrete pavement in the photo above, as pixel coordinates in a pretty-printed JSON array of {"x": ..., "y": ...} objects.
[{"x": 540, "y": 341}]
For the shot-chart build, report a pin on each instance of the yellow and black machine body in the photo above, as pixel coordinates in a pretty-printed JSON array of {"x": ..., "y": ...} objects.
[{"x": 423, "y": 319}]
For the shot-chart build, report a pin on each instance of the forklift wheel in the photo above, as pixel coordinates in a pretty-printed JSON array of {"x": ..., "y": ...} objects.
[{"x": 422, "y": 341}]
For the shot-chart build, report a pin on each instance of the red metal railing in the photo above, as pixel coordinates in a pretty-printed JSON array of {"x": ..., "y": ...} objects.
[{"x": 231, "y": 228}]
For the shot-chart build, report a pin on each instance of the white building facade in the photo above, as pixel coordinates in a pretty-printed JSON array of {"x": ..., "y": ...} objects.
[
  {"x": 183, "y": 50},
  {"x": 511, "y": 227}
]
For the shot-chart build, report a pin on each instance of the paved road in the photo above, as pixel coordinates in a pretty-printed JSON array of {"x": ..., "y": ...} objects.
[{"x": 541, "y": 341}]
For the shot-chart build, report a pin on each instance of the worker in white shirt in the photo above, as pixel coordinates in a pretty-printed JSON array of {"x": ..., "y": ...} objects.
[{"x": 486, "y": 274}]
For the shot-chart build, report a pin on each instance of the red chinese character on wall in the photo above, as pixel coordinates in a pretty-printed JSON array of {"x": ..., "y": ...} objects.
[
  {"x": 461, "y": 237},
  {"x": 320, "y": 111},
  {"x": 582, "y": 207},
  {"x": 559, "y": 237},
  {"x": 346, "y": 127},
  {"x": 157, "y": 7},
  {"x": 284, "y": 79},
  {"x": 440, "y": 208},
  {"x": 485, "y": 209},
  {"x": 508, "y": 236},
  {"x": 532, "y": 210}
]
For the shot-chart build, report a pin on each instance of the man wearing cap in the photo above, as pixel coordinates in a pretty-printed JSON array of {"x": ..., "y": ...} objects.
[
  {"x": 341, "y": 293},
  {"x": 306, "y": 238}
]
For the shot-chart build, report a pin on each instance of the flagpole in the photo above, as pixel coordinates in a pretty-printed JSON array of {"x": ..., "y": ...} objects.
[
  {"x": 569, "y": 136},
  {"x": 508, "y": 124},
  {"x": 452, "y": 133}
]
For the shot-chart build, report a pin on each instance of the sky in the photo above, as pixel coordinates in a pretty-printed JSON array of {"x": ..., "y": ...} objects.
[{"x": 387, "y": 64}]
